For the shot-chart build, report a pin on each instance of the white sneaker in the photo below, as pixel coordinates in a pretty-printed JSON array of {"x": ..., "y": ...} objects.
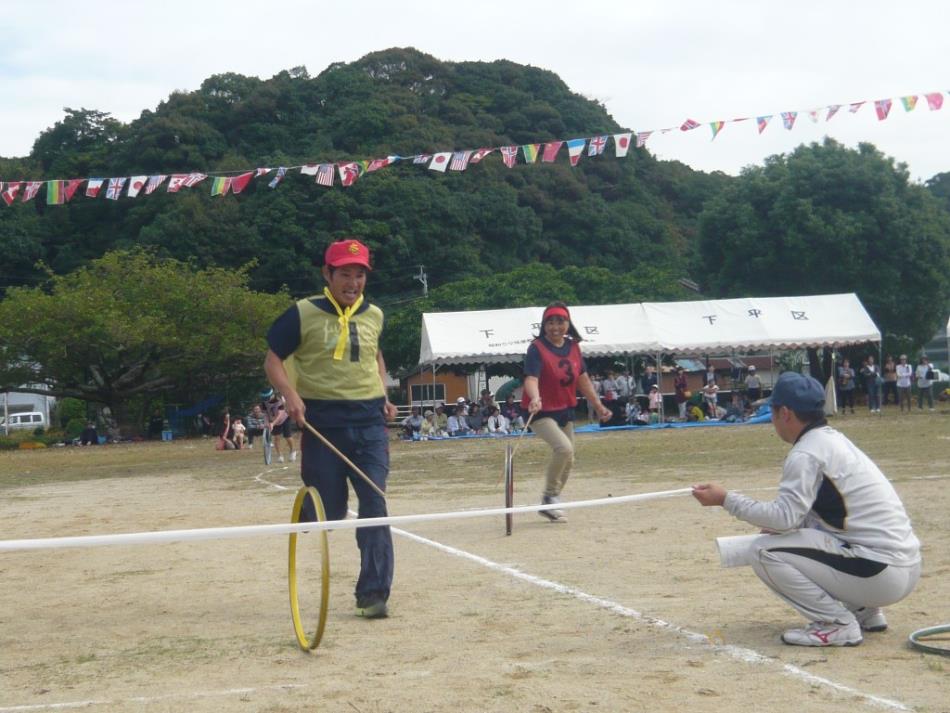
[
  {"x": 871, "y": 618},
  {"x": 251, "y": 446},
  {"x": 293, "y": 456},
  {"x": 280, "y": 459},
  {"x": 552, "y": 515},
  {"x": 823, "y": 633}
]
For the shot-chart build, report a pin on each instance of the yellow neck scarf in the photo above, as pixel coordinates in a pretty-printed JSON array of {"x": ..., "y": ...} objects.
[{"x": 344, "y": 320}]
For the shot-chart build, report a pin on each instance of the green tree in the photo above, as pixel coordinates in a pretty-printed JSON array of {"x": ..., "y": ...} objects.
[
  {"x": 131, "y": 327},
  {"x": 829, "y": 219}
]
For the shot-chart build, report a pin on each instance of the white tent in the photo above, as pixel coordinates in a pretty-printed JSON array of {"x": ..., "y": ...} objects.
[{"x": 752, "y": 323}]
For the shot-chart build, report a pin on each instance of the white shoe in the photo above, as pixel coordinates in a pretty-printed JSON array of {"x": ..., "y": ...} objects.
[
  {"x": 280, "y": 459},
  {"x": 552, "y": 515},
  {"x": 251, "y": 446},
  {"x": 823, "y": 633},
  {"x": 293, "y": 456},
  {"x": 871, "y": 618}
]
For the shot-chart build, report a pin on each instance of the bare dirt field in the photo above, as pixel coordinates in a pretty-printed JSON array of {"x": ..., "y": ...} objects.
[{"x": 623, "y": 608}]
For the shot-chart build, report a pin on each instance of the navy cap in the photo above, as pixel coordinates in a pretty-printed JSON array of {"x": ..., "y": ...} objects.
[{"x": 798, "y": 392}]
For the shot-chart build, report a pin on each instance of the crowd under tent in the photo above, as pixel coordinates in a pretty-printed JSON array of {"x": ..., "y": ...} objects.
[{"x": 748, "y": 324}]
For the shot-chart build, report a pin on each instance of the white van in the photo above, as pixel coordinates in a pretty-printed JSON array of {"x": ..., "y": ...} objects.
[{"x": 30, "y": 419}]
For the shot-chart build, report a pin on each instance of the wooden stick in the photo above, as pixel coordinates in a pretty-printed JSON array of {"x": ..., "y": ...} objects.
[
  {"x": 346, "y": 460},
  {"x": 517, "y": 443}
]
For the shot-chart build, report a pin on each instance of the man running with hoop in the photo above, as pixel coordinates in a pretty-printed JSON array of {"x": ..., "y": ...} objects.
[{"x": 334, "y": 342}]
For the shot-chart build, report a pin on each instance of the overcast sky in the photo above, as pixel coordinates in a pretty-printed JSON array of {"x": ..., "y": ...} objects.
[{"x": 653, "y": 64}]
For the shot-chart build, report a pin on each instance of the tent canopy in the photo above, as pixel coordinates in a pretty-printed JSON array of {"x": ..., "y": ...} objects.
[{"x": 750, "y": 323}]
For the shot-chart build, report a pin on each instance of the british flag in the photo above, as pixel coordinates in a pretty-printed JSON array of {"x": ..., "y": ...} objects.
[
  {"x": 325, "y": 174},
  {"x": 509, "y": 154},
  {"x": 596, "y": 145},
  {"x": 788, "y": 119},
  {"x": 115, "y": 188}
]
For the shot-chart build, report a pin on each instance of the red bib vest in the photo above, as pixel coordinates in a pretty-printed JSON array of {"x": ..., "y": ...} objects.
[{"x": 557, "y": 383}]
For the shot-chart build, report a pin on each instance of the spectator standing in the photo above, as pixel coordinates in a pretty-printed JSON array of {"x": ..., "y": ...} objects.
[
  {"x": 836, "y": 542},
  {"x": 225, "y": 442},
  {"x": 680, "y": 391},
  {"x": 554, "y": 371},
  {"x": 753, "y": 385},
  {"x": 846, "y": 385},
  {"x": 656, "y": 401},
  {"x": 870, "y": 375},
  {"x": 905, "y": 380},
  {"x": 710, "y": 377},
  {"x": 889, "y": 372},
  {"x": 925, "y": 377},
  {"x": 648, "y": 380},
  {"x": 711, "y": 398},
  {"x": 339, "y": 389}
]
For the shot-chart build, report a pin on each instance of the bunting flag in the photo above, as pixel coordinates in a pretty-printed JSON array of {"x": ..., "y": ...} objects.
[
  {"x": 136, "y": 184},
  {"x": 550, "y": 151},
  {"x": 309, "y": 169},
  {"x": 934, "y": 100},
  {"x": 689, "y": 125},
  {"x": 262, "y": 172},
  {"x": 642, "y": 137},
  {"x": 363, "y": 165},
  {"x": 220, "y": 185},
  {"x": 716, "y": 127},
  {"x": 480, "y": 154},
  {"x": 239, "y": 182},
  {"x": 349, "y": 172},
  {"x": 509, "y": 154},
  {"x": 194, "y": 179},
  {"x": 422, "y": 158},
  {"x": 909, "y": 103},
  {"x": 883, "y": 108},
  {"x": 622, "y": 144},
  {"x": 114, "y": 191},
  {"x": 762, "y": 122},
  {"x": 597, "y": 145},
  {"x": 153, "y": 183},
  {"x": 54, "y": 193},
  {"x": 176, "y": 181},
  {"x": 440, "y": 161},
  {"x": 832, "y": 110},
  {"x": 788, "y": 119},
  {"x": 813, "y": 115},
  {"x": 530, "y": 152},
  {"x": 71, "y": 185},
  {"x": 854, "y": 106},
  {"x": 575, "y": 147},
  {"x": 278, "y": 177},
  {"x": 325, "y": 174},
  {"x": 460, "y": 160},
  {"x": 93, "y": 185},
  {"x": 378, "y": 163},
  {"x": 30, "y": 190},
  {"x": 10, "y": 191}
]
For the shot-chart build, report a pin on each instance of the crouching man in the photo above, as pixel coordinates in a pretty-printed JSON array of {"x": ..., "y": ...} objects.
[{"x": 838, "y": 544}]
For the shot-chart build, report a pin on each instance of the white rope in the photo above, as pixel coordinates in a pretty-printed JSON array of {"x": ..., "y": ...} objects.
[{"x": 223, "y": 533}]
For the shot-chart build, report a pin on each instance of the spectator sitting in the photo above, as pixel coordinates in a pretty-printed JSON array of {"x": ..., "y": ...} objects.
[
  {"x": 475, "y": 420},
  {"x": 239, "y": 429},
  {"x": 736, "y": 410},
  {"x": 634, "y": 415},
  {"x": 695, "y": 413},
  {"x": 441, "y": 419},
  {"x": 430, "y": 427},
  {"x": 457, "y": 424},
  {"x": 486, "y": 403},
  {"x": 461, "y": 408},
  {"x": 412, "y": 425},
  {"x": 496, "y": 424},
  {"x": 255, "y": 424},
  {"x": 89, "y": 435},
  {"x": 511, "y": 410}
]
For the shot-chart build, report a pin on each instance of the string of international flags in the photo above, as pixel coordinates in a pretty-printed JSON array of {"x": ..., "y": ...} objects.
[{"x": 61, "y": 191}]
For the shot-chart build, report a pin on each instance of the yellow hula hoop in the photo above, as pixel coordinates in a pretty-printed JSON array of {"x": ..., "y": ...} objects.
[{"x": 305, "y": 643}]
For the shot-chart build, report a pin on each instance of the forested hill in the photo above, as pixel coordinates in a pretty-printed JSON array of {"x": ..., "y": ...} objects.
[{"x": 629, "y": 214}]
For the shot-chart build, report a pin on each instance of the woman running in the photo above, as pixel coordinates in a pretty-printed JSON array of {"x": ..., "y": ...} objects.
[{"x": 554, "y": 371}]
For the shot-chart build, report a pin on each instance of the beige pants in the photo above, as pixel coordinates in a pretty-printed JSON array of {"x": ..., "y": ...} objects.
[{"x": 561, "y": 441}]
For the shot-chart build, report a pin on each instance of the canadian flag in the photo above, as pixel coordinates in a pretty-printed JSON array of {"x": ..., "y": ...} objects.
[
  {"x": 440, "y": 161},
  {"x": 9, "y": 191},
  {"x": 136, "y": 184},
  {"x": 622, "y": 144}
]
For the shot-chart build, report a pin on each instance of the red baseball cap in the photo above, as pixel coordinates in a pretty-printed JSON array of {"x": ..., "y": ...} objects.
[{"x": 347, "y": 252}]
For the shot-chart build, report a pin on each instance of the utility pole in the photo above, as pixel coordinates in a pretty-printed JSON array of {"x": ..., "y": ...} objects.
[{"x": 424, "y": 280}]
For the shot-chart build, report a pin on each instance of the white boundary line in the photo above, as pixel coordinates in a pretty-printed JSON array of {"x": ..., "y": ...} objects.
[{"x": 737, "y": 652}]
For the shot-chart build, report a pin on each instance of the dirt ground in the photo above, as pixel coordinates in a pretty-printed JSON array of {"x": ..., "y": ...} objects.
[{"x": 622, "y": 608}]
